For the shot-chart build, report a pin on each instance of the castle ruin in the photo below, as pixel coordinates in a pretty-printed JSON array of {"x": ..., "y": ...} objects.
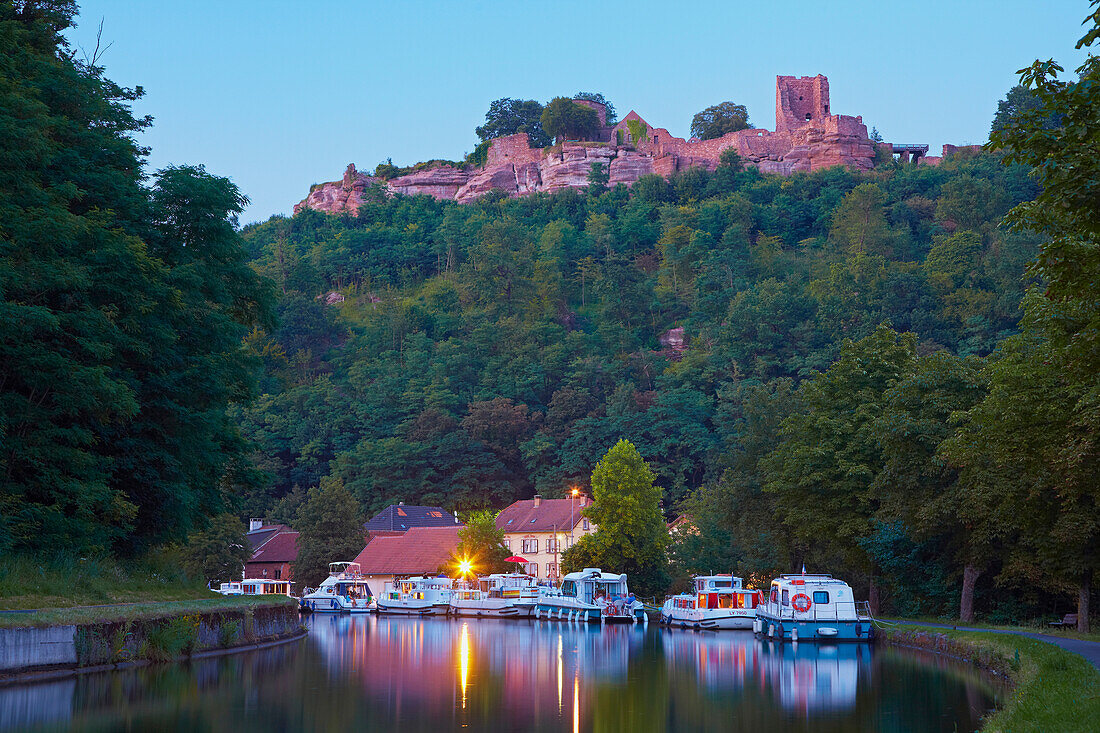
[{"x": 807, "y": 137}]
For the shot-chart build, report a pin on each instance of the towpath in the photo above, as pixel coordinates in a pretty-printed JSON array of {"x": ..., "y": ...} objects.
[{"x": 1090, "y": 650}]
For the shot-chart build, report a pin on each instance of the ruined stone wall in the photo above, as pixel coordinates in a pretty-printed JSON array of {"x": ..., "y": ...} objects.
[{"x": 516, "y": 168}]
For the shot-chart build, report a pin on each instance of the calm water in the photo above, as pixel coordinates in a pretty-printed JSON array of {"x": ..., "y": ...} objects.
[{"x": 371, "y": 673}]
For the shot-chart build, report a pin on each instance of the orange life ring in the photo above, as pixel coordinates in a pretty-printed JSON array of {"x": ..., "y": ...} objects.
[{"x": 801, "y": 602}]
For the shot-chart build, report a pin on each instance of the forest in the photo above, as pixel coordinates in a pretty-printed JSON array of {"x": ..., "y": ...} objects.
[{"x": 887, "y": 375}]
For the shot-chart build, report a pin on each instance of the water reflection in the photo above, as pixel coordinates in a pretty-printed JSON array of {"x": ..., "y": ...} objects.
[{"x": 438, "y": 674}]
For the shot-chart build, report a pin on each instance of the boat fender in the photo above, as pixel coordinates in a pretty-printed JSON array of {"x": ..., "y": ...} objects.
[{"x": 794, "y": 635}]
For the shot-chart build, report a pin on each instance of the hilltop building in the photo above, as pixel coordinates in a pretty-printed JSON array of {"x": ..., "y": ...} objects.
[
  {"x": 539, "y": 530},
  {"x": 807, "y": 137}
]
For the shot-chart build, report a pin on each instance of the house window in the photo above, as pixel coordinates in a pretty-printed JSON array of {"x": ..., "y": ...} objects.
[
  {"x": 531, "y": 568},
  {"x": 278, "y": 573},
  {"x": 507, "y": 544},
  {"x": 551, "y": 570},
  {"x": 265, "y": 572},
  {"x": 530, "y": 546},
  {"x": 584, "y": 525},
  {"x": 553, "y": 545},
  {"x": 821, "y": 596}
]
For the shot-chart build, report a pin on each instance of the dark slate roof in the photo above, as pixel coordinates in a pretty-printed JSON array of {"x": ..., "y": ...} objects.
[
  {"x": 401, "y": 517},
  {"x": 421, "y": 550},
  {"x": 257, "y": 537},
  {"x": 549, "y": 515},
  {"x": 283, "y": 547}
]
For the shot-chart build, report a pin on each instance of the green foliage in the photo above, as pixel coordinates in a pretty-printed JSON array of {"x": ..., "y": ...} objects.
[
  {"x": 731, "y": 159},
  {"x": 123, "y": 309},
  {"x": 631, "y": 536},
  {"x": 597, "y": 179},
  {"x": 612, "y": 115},
  {"x": 638, "y": 131},
  {"x": 479, "y": 156},
  {"x": 564, "y": 119},
  {"x": 331, "y": 530},
  {"x": 508, "y": 116},
  {"x": 1019, "y": 101},
  {"x": 217, "y": 553},
  {"x": 482, "y": 544},
  {"x": 719, "y": 119}
]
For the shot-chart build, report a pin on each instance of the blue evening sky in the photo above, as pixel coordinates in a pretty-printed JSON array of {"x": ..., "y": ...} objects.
[{"x": 278, "y": 95}]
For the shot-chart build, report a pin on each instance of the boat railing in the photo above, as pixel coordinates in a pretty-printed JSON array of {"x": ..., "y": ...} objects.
[{"x": 835, "y": 611}]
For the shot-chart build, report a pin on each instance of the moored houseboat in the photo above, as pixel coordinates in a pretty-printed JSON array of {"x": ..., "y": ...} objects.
[
  {"x": 255, "y": 587},
  {"x": 510, "y": 595},
  {"x": 719, "y": 602},
  {"x": 418, "y": 596},
  {"x": 345, "y": 590},
  {"x": 591, "y": 595},
  {"x": 813, "y": 608}
]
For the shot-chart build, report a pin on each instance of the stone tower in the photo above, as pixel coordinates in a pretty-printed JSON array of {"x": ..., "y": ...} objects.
[{"x": 800, "y": 101}]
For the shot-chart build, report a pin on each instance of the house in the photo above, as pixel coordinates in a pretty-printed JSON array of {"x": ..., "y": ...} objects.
[
  {"x": 683, "y": 523},
  {"x": 418, "y": 551},
  {"x": 539, "y": 530},
  {"x": 274, "y": 549},
  {"x": 401, "y": 518}
]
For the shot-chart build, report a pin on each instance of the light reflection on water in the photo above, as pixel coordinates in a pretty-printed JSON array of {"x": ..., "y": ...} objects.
[{"x": 435, "y": 674}]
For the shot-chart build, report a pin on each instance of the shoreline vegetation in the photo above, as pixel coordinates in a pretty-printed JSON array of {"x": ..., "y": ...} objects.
[{"x": 1050, "y": 688}]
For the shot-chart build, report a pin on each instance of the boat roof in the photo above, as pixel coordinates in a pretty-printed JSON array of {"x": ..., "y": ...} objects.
[
  {"x": 815, "y": 578},
  {"x": 597, "y": 575}
]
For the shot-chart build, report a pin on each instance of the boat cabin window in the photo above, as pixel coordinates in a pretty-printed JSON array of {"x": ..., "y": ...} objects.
[
  {"x": 821, "y": 596},
  {"x": 725, "y": 600},
  {"x": 786, "y": 597},
  {"x": 569, "y": 588},
  {"x": 723, "y": 584}
]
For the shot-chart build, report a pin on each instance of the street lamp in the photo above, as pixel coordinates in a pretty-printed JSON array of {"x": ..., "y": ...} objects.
[{"x": 572, "y": 523}]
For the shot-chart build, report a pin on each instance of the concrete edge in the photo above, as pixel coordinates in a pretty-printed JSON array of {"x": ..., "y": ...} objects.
[{"x": 43, "y": 675}]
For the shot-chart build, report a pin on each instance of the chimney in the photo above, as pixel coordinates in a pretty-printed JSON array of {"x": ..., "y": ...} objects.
[
  {"x": 255, "y": 524},
  {"x": 538, "y": 500},
  {"x": 583, "y": 501},
  {"x": 456, "y": 517}
]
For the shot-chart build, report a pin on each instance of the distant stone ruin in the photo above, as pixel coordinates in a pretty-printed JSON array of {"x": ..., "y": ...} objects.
[{"x": 807, "y": 137}]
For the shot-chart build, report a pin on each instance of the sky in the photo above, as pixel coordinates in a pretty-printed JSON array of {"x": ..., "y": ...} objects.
[{"x": 280, "y": 95}]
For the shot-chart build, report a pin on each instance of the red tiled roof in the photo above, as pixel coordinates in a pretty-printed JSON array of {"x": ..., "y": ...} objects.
[
  {"x": 257, "y": 537},
  {"x": 283, "y": 547},
  {"x": 549, "y": 515},
  {"x": 420, "y": 550}
]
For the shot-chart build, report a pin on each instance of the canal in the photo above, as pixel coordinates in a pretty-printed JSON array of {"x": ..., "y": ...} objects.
[{"x": 386, "y": 673}]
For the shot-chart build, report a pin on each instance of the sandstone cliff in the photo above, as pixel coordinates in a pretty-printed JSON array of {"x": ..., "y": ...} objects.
[{"x": 807, "y": 137}]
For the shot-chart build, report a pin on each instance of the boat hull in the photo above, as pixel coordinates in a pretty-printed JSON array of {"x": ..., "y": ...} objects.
[
  {"x": 329, "y": 604},
  {"x": 787, "y": 629},
  {"x": 565, "y": 609},
  {"x": 708, "y": 621},
  {"x": 492, "y": 607},
  {"x": 412, "y": 608}
]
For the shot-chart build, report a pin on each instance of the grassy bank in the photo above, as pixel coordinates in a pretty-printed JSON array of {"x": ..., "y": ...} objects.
[
  {"x": 62, "y": 582},
  {"x": 1054, "y": 690},
  {"x": 133, "y": 611}
]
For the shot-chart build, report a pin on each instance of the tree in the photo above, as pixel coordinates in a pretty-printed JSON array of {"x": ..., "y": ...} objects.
[
  {"x": 718, "y": 120},
  {"x": 508, "y": 116},
  {"x": 859, "y": 223},
  {"x": 1061, "y": 342},
  {"x": 597, "y": 179},
  {"x": 564, "y": 119},
  {"x": 217, "y": 554},
  {"x": 481, "y": 544},
  {"x": 1018, "y": 102},
  {"x": 631, "y": 536},
  {"x": 330, "y": 529},
  {"x": 823, "y": 472},
  {"x": 612, "y": 116}
]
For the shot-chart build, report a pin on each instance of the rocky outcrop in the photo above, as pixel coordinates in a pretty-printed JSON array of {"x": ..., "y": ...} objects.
[
  {"x": 346, "y": 194},
  {"x": 441, "y": 183},
  {"x": 807, "y": 138}
]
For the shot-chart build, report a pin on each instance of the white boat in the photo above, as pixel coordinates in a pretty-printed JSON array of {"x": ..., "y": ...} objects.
[
  {"x": 416, "y": 597},
  {"x": 591, "y": 595},
  {"x": 719, "y": 602},
  {"x": 813, "y": 608},
  {"x": 255, "y": 587},
  {"x": 345, "y": 590},
  {"x": 511, "y": 595}
]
